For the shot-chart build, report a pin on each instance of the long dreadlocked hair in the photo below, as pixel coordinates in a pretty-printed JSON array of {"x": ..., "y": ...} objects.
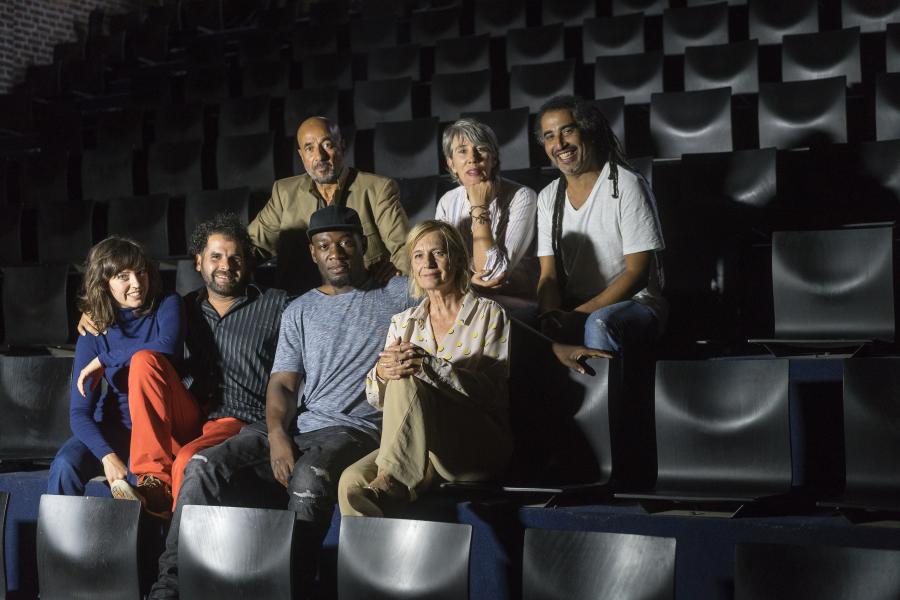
[{"x": 596, "y": 131}]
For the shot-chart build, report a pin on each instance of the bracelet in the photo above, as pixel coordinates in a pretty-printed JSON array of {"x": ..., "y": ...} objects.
[{"x": 482, "y": 217}]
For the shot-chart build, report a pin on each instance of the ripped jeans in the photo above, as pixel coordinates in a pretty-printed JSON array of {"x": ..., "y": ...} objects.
[
  {"x": 621, "y": 327},
  {"x": 232, "y": 473}
]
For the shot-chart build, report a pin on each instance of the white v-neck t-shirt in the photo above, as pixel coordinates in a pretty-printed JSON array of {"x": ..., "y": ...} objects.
[{"x": 597, "y": 236}]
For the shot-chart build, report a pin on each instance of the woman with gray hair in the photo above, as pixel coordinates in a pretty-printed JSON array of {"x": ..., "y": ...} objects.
[{"x": 495, "y": 216}]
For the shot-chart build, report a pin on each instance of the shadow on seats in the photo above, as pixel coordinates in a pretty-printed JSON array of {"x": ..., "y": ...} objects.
[{"x": 407, "y": 148}]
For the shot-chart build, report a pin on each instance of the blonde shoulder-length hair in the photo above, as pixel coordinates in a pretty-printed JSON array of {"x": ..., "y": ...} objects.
[
  {"x": 457, "y": 253},
  {"x": 106, "y": 260}
]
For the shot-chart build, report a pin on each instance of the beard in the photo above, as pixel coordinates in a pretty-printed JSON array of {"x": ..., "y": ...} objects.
[
  {"x": 234, "y": 287},
  {"x": 329, "y": 177}
]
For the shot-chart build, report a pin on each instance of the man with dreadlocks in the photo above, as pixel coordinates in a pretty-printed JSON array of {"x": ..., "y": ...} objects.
[{"x": 598, "y": 233}]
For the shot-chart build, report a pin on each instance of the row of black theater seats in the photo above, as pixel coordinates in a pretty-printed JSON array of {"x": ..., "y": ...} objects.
[{"x": 253, "y": 557}]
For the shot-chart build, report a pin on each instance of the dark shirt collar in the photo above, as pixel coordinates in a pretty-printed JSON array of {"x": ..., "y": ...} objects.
[{"x": 251, "y": 293}]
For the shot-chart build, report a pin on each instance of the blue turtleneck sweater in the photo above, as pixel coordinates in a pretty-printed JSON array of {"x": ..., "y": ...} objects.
[{"x": 94, "y": 418}]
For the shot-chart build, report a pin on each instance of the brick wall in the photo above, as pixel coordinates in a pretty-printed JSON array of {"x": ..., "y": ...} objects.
[{"x": 30, "y": 28}]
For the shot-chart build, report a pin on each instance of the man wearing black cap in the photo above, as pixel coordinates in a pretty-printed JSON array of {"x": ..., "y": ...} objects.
[{"x": 330, "y": 337}]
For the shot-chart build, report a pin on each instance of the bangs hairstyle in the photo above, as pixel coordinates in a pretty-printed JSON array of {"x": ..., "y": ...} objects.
[
  {"x": 457, "y": 254},
  {"x": 105, "y": 260},
  {"x": 476, "y": 133}
]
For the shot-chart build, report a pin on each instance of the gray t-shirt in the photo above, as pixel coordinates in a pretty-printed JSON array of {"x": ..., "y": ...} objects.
[{"x": 332, "y": 342}]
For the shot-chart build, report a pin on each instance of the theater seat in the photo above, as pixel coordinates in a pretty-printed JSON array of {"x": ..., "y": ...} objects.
[
  {"x": 206, "y": 84},
  {"x": 647, "y": 7},
  {"x": 686, "y": 122},
  {"x": 511, "y": 128},
  {"x": 328, "y": 70},
  {"x": 767, "y": 571},
  {"x": 175, "y": 167},
  {"x": 178, "y": 123},
  {"x": 496, "y": 17},
  {"x": 769, "y": 20},
  {"x": 379, "y": 101},
  {"x": 144, "y": 219},
  {"x": 887, "y": 106},
  {"x": 427, "y": 26},
  {"x": 571, "y": 13},
  {"x": 394, "y": 62},
  {"x": 244, "y": 116},
  {"x": 585, "y": 565},
  {"x": 44, "y": 178},
  {"x": 461, "y": 55},
  {"x": 799, "y": 114},
  {"x": 609, "y": 36},
  {"x": 369, "y": 33},
  {"x": 203, "y": 205},
  {"x": 252, "y": 557},
  {"x": 820, "y": 55},
  {"x": 246, "y": 160},
  {"x": 266, "y": 77},
  {"x": 187, "y": 278},
  {"x": 534, "y": 45},
  {"x": 11, "y": 236},
  {"x": 634, "y": 76},
  {"x": 869, "y": 16},
  {"x": 65, "y": 232},
  {"x": 419, "y": 196},
  {"x": 614, "y": 111},
  {"x": 455, "y": 93},
  {"x": 530, "y": 85},
  {"x": 34, "y": 305},
  {"x": 892, "y": 47},
  {"x": 34, "y": 398},
  {"x": 385, "y": 559},
  {"x": 87, "y": 548},
  {"x": 107, "y": 172},
  {"x": 407, "y": 148},
  {"x": 729, "y": 65},
  {"x": 299, "y": 105},
  {"x": 704, "y": 25}
]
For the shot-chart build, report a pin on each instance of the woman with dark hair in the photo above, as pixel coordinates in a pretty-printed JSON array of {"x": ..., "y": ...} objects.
[
  {"x": 122, "y": 293},
  {"x": 441, "y": 383},
  {"x": 495, "y": 216}
]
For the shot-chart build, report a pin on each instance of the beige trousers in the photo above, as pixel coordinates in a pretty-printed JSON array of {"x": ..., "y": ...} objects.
[{"x": 425, "y": 432}]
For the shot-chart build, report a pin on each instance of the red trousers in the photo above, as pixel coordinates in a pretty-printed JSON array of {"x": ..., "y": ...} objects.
[{"x": 167, "y": 425}]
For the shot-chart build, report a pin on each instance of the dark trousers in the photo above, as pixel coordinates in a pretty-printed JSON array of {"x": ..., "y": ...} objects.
[{"x": 231, "y": 473}]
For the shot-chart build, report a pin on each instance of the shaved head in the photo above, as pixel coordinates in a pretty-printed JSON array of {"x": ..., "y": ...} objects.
[{"x": 321, "y": 148}]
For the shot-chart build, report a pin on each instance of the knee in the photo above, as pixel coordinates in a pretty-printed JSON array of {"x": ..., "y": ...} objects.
[
  {"x": 144, "y": 361},
  {"x": 405, "y": 391}
]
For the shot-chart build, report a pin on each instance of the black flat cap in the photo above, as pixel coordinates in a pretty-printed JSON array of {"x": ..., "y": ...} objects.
[{"x": 334, "y": 218}]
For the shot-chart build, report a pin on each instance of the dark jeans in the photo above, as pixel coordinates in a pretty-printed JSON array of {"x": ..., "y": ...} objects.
[
  {"x": 75, "y": 465},
  {"x": 226, "y": 474}
]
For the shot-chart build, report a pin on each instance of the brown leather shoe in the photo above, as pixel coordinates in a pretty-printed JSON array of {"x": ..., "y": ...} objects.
[
  {"x": 365, "y": 501},
  {"x": 155, "y": 495}
]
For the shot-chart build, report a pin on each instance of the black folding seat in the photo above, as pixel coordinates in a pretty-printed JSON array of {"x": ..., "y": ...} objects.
[
  {"x": 892, "y": 47},
  {"x": 419, "y": 196},
  {"x": 385, "y": 100},
  {"x": 427, "y": 26},
  {"x": 690, "y": 122},
  {"x": 34, "y": 305},
  {"x": 511, "y": 127},
  {"x": 206, "y": 84},
  {"x": 11, "y": 235},
  {"x": 253, "y": 557},
  {"x": 175, "y": 167},
  {"x": 647, "y": 7},
  {"x": 634, "y": 76},
  {"x": 35, "y": 420},
  {"x": 571, "y": 13},
  {"x": 107, "y": 172},
  {"x": 240, "y": 116},
  {"x": 797, "y": 114},
  {"x": 327, "y": 70},
  {"x": 187, "y": 278},
  {"x": 733, "y": 65},
  {"x": 536, "y": 178},
  {"x": 122, "y": 128},
  {"x": 310, "y": 39},
  {"x": 266, "y": 77},
  {"x": 44, "y": 177},
  {"x": 381, "y": 559},
  {"x": 407, "y": 148},
  {"x": 766, "y": 571},
  {"x": 462, "y": 55},
  {"x": 822, "y": 298},
  {"x": 614, "y": 111},
  {"x": 887, "y": 106},
  {"x": 203, "y": 205},
  {"x": 875, "y": 177},
  {"x": 534, "y": 45},
  {"x": 178, "y": 123},
  {"x": 246, "y": 160},
  {"x": 87, "y": 547},
  {"x": 579, "y": 565},
  {"x": 394, "y": 62},
  {"x": 496, "y": 17},
  {"x": 722, "y": 431},
  {"x": 370, "y": 33},
  {"x": 769, "y": 20},
  {"x": 202, "y": 15},
  {"x": 704, "y": 25},
  {"x": 531, "y": 85},
  {"x": 65, "y": 232},
  {"x": 302, "y": 104},
  {"x": 869, "y": 16},
  {"x": 142, "y": 218},
  {"x": 821, "y": 55},
  {"x": 609, "y": 36},
  {"x": 259, "y": 45},
  {"x": 455, "y": 93}
]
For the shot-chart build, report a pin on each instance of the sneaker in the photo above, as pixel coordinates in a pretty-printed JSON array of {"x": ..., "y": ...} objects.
[
  {"x": 155, "y": 495},
  {"x": 122, "y": 490}
]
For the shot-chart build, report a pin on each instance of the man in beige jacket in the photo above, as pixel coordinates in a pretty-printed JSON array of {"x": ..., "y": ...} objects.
[{"x": 280, "y": 227}]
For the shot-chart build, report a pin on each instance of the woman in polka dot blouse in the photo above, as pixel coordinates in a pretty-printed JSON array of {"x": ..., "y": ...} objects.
[{"x": 441, "y": 382}]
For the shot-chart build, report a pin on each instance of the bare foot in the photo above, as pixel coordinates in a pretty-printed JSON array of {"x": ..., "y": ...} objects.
[{"x": 572, "y": 356}]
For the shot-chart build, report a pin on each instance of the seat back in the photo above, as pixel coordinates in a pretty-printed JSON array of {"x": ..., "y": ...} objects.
[
  {"x": 455, "y": 93},
  {"x": 534, "y": 45},
  {"x": 871, "y": 421},
  {"x": 407, "y": 148},
  {"x": 723, "y": 427},
  {"x": 610, "y": 36},
  {"x": 869, "y": 16},
  {"x": 65, "y": 232},
  {"x": 179, "y": 123},
  {"x": 803, "y": 113},
  {"x": 511, "y": 128},
  {"x": 226, "y": 552},
  {"x": 686, "y": 122},
  {"x": 497, "y": 17},
  {"x": 145, "y": 219},
  {"x": 727, "y": 65},
  {"x": 87, "y": 547},
  {"x": 368, "y": 33},
  {"x": 571, "y": 13},
  {"x": 647, "y": 7},
  {"x": 175, "y": 167},
  {"x": 419, "y": 196},
  {"x": 382, "y": 559},
  {"x": 634, "y": 76},
  {"x": 34, "y": 399},
  {"x": 427, "y": 26},
  {"x": 244, "y": 116},
  {"x": 770, "y": 20},
  {"x": 819, "y": 290},
  {"x": 206, "y": 84},
  {"x": 204, "y": 205},
  {"x": 34, "y": 305},
  {"x": 394, "y": 62},
  {"x": 299, "y": 105},
  {"x": 380, "y": 101},
  {"x": 530, "y": 85},
  {"x": 766, "y": 571},
  {"x": 583, "y": 565},
  {"x": 328, "y": 70},
  {"x": 44, "y": 178},
  {"x": 460, "y": 55},
  {"x": 246, "y": 160},
  {"x": 269, "y": 77},
  {"x": 892, "y": 47},
  {"x": 820, "y": 55},
  {"x": 703, "y": 25},
  {"x": 887, "y": 105},
  {"x": 614, "y": 111}
]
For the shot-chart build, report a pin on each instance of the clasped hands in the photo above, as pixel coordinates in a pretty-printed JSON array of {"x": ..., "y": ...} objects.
[{"x": 400, "y": 359}]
